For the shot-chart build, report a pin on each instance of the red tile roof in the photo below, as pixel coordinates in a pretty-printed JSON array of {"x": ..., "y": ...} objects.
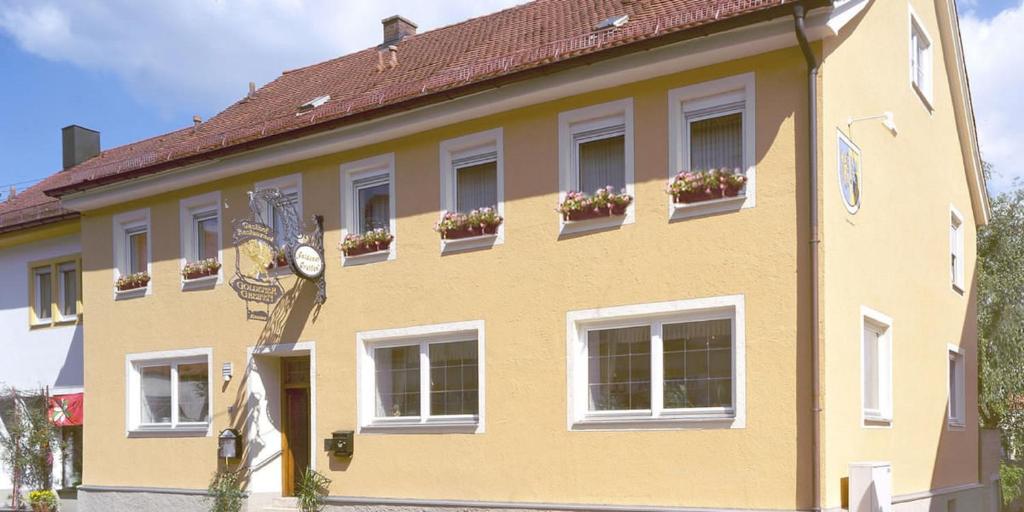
[{"x": 448, "y": 60}]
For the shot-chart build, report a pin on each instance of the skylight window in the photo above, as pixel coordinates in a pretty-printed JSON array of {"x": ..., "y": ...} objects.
[
  {"x": 314, "y": 103},
  {"x": 613, "y": 22}
]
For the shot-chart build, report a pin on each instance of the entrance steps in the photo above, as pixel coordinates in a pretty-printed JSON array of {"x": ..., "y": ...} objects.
[{"x": 282, "y": 505}]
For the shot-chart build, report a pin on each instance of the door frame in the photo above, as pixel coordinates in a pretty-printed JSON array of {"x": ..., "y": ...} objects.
[
  {"x": 287, "y": 464},
  {"x": 279, "y": 350}
]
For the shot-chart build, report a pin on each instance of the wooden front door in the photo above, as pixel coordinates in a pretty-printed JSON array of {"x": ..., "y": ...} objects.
[{"x": 295, "y": 440}]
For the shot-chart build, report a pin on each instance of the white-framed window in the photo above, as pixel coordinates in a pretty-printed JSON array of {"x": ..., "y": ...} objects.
[
  {"x": 132, "y": 246},
  {"x": 472, "y": 176},
  {"x": 42, "y": 282},
  {"x": 876, "y": 368},
  {"x": 291, "y": 188},
  {"x": 425, "y": 378},
  {"x": 169, "y": 393},
  {"x": 200, "y": 221},
  {"x": 595, "y": 146},
  {"x": 712, "y": 126},
  {"x": 956, "y": 249},
  {"x": 921, "y": 59},
  {"x": 957, "y": 411},
  {"x": 368, "y": 201},
  {"x": 67, "y": 290},
  {"x": 677, "y": 364}
]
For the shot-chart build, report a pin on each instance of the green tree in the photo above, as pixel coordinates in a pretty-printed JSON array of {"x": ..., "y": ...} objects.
[{"x": 26, "y": 448}]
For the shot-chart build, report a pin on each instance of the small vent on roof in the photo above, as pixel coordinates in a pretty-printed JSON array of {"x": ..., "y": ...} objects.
[
  {"x": 314, "y": 103},
  {"x": 613, "y": 22}
]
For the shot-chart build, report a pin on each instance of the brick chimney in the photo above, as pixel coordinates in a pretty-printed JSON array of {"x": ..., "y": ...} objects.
[
  {"x": 79, "y": 144},
  {"x": 397, "y": 28}
]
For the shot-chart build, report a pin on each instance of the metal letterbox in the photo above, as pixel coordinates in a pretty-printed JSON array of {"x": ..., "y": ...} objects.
[{"x": 341, "y": 443}]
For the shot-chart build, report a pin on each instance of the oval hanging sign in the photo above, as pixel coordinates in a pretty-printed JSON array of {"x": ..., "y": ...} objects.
[{"x": 307, "y": 262}]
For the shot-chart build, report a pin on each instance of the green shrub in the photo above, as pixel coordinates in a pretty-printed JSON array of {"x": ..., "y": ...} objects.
[
  {"x": 1011, "y": 478},
  {"x": 312, "y": 490},
  {"x": 226, "y": 492}
]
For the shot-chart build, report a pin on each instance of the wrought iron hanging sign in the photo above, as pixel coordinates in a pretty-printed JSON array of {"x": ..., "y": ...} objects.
[{"x": 272, "y": 239}]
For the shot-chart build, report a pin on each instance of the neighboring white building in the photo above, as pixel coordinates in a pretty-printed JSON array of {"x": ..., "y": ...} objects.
[{"x": 41, "y": 311}]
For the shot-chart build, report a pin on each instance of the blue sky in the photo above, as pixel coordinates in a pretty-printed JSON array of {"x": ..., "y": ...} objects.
[{"x": 136, "y": 69}]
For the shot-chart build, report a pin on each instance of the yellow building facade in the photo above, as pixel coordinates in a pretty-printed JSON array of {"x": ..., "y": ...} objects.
[{"x": 659, "y": 358}]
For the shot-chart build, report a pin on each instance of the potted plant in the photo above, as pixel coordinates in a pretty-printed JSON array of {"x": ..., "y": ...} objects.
[
  {"x": 455, "y": 225},
  {"x": 312, "y": 489},
  {"x": 694, "y": 187},
  {"x": 43, "y": 500},
  {"x": 201, "y": 268},
  {"x": 279, "y": 259},
  {"x": 132, "y": 281},
  {"x": 225, "y": 492},
  {"x": 605, "y": 202},
  {"x": 375, "y": 240}
]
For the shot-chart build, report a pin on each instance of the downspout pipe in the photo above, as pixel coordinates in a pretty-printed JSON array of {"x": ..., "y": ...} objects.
[{"x": 799, "y": 15}]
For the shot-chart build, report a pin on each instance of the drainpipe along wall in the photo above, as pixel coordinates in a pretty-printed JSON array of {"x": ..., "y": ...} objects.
[{"x": 812, "y": 164}]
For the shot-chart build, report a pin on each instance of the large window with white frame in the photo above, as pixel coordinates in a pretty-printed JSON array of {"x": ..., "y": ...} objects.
[
  {"x": 169, "y": 392},
  {"x": 54, "y": 291},
  {"x": 422, "y": 378},
  {"x": 368, "y": 200},
  {"x": 290, "y": 187},
  {"x": 956, "y": 249},
  {"x": 921, "y": 59},
  {"x": 132, "y": 245},
  {"x": 956, "y": 380},
  {"x": 672, "y": 364},
  {"x": 712, "y": 128},
  {"x": 876, "y": 368},
  {"x": 596, "y": 150}
]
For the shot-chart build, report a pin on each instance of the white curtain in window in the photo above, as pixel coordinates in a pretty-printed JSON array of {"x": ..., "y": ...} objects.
[
  {"x": 602, "y": 162},
  {"x": 193, "y": 393},
  {"x": 44, "y": 291},
  {"x": 717, "y": 143},
  {"x": 156, "y": 394},
  {"x": 373, "y": 203},
  {"x": 871, "y": 369},
  {"x": 476, "y": 186}
]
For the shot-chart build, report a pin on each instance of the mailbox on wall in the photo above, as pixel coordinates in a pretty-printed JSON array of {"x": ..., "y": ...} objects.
[
  {"x": 341, "y": 443},
  {"x": 229, "y": 444}
]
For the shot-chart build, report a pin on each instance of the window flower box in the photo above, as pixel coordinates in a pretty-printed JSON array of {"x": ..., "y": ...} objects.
[
  {"x": 132, "y": 281},
  {"x": 696, "y": 187},
  {"x": 200, "y": 269},
  {"x": 578, "y": 206},
  {"x": 370, "y": 242},
  {"x": 279, "y": 260},
  {"x": 455, "y": 226}
]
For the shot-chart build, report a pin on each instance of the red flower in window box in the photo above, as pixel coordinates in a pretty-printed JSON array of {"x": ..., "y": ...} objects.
[
  {"x": 694, "y": 187},
  {"x": 454, "y": 225},
  {"x": 376, "y": 240},
  {"x": 132, "y": 281},
  {"x": 202, "y": 268},
  {"x": 605, "y": 202}
]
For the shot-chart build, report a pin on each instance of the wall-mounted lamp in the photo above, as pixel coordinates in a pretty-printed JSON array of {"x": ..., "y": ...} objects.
[
  {"x": 887, "y": 120},
  {"x": 226, "y": 371}
]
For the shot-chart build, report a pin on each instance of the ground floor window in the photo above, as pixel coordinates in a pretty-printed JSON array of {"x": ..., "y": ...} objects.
[
  {"x": 655, "y": 364},
  {"x": 169, "y": 392},
  {"x": 423, "y": 377}
]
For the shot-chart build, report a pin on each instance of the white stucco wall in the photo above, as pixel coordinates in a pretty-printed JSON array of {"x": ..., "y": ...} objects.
[{"x": 33, "y": 358}]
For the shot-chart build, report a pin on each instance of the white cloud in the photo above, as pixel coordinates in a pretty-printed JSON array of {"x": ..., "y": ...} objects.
[
  {"x": 995, "y": 64},
  {"x": 201, "y": 54}
]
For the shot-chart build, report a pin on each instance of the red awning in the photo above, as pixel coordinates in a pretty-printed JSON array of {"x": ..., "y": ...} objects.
[{"x": 66, "y": 410}]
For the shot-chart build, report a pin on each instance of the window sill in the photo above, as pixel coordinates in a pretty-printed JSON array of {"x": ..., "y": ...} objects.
[
  {"x": 190, "y": 431},
  {"x": 131, "y": 294},
  {"x": 956, "y": 425},
  {"x": 469, "y": 243},
  {"x": 877, "y": 422},
  {"x": 924, "y": 97},
  {"x": 470, "y": 425},
  {"x": 712, "y": 207},
  {"x": 370, "y": 257},
  {"x": 200, "y": 283},
  {"x": 958, "y": 289},
  {"x": 666, "y": 421},
  {"x": 574, "y": 227}
]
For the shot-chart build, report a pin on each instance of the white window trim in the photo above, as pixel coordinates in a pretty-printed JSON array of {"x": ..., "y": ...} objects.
[
  {"x": 59, "y": 299},
  {"x": 577, "y": 323},
  {"x": 957, "y": 420},
  {"x": 367, "y": 341},
  {"x": 927, "y": 90},
  {"x": 350, "y": 172},
  {"x": 124, "y": 222},
  {"x": 700, "y": 96},
  {"x": 884, "y": 417},
  {"x": 133, "y": 390},
  {"x": 957, "y": 248},
  {"x": 585, "y": 119},
  {"x": 190, "y": 208},
  {"x": 490, "y": 141},
  {"x": 38, "y": 296}
]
